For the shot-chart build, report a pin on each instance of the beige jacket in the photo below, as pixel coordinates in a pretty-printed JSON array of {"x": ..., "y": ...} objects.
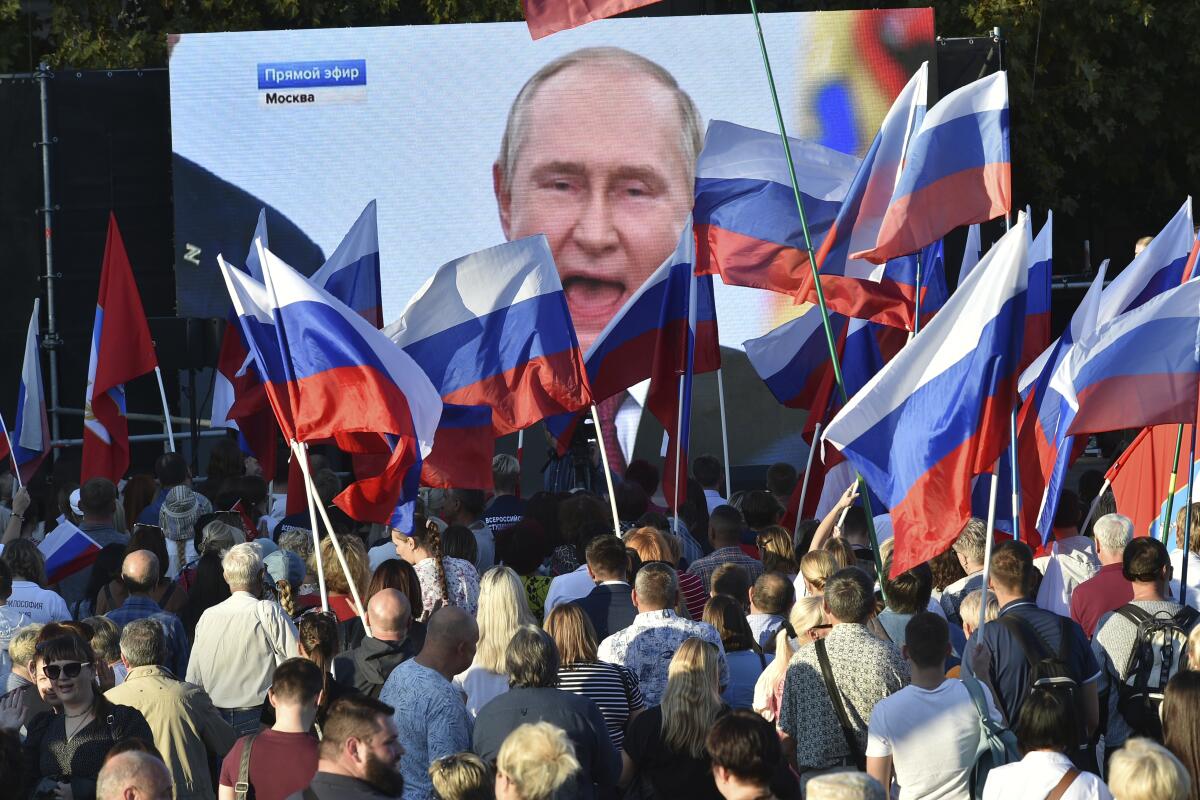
[{"x": 184, "y": 723}]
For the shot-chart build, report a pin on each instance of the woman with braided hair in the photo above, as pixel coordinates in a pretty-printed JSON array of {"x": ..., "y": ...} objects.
[{"x": 444, "y": 580}]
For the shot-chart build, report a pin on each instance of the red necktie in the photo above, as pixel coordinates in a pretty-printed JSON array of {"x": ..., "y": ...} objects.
[{"x": 607, "y": 411}]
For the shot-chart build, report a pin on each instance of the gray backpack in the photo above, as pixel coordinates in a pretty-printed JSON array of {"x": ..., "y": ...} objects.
[{"x": 997, "y": 744}]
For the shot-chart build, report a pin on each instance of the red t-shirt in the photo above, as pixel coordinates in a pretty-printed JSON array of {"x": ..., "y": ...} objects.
[
  {"x": 1105, "y": 591},
  {"x": 281, "y": 764}
]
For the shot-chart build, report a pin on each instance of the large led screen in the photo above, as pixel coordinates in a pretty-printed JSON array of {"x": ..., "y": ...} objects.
[{"x": 467, "y": 135}]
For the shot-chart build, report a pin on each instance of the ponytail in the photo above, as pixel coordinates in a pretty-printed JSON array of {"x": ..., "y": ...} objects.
[
  {"x": 284, "y": 591},
  {"x": 180, "y": 557},
  {"x": 435, "y": 547}
]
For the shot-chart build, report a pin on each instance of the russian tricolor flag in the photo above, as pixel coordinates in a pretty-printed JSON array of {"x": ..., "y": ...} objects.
[
  {"x": 1142, "y": 368},
  {"x": 852, "y": 286},
  {"x": 239, "y": 401},
  {"x": 793, "y": 359},
  {"x": 957, "y": 170},
  {"x": 351, "y": 274},
  {"x": 67, "y": 550},
  {"x": 666, "y": 332},
  {"x": 332, "y": 375},
  {"x": 1156, "y": 269},
  {"x": 1037, "y": 306},
  {"x": 937, "y": 415},
  {"x": 30, "y": 433},
  {"x": 747, "y": 227},
  {"x": 121, "y": 351},
  {"x": 492, "y": 329},
  {"x": 462, "y": 449}
]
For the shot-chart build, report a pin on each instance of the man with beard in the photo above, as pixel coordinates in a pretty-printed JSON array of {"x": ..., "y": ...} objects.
[{"x": 360, "y": 754}]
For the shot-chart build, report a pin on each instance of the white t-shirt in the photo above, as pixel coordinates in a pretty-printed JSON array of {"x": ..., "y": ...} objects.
[
  {"x": 932, "y": 737},
  {"x": 40, "y": 605}
]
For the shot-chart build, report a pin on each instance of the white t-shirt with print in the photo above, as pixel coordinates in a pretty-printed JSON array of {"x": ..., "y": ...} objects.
[{"x": 40, "y": 605}]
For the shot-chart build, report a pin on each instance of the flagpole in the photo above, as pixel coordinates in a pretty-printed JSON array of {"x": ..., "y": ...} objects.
[
  {"x": 678, "y": 455},
  {"x": 1016, "y": 480},
  {"x": 333, "y": 539},
  {"x": 1095, "y": 504},
  {"x": 987, "y": 550},
  {"x": 612, "y": 495},
  {"x": 812, "y": 265},
  {"x": 1171, "y": 484},
  {"x": 917, "y": 300},
  {"x": 1187, "y": 523},
  {"x": 12, "y": 451},
  {"x": 316, "y": 533},
  {"x": 724, "y": 434},
  {"x": 520, "y": 457},
  {"x": 804, "y": 485},
  {"x": 162, "y": 394}
]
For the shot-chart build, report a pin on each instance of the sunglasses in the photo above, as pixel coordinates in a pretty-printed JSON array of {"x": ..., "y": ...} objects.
[{"x": 52, "y": 671}]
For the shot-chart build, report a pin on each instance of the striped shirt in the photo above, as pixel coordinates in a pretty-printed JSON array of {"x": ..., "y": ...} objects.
[{"x": 613, "y": 688}]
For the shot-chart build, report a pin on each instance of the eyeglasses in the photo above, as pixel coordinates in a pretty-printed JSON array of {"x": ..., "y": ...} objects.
[{"x": 69, "y": 671}]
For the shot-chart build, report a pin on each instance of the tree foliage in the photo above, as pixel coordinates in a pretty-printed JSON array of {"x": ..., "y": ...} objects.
[{"x": 1103, "y": 115}]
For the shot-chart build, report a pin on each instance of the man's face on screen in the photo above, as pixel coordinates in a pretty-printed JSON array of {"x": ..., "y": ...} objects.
[{"x": 600, "y": 170}]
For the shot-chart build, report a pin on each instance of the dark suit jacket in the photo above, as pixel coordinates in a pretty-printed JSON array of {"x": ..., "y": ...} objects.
[{"x": 610, "y": 608}]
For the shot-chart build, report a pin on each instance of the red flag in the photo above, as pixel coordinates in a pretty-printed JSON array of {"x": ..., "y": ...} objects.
[
  {"x": 121, "y": 350},
  {"x": 545, "y": 17},
  {"x": 1139, "y": 477}
]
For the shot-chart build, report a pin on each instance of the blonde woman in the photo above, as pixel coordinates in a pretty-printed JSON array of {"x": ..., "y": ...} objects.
[
  {"x": 341, "y": 602},
  {"x": 664, "y": 746},
  {"x": 502, "y": 609},
  {"x": 1145, "y": 770},
  {"x": 462, "y": 776},
  {"x": 807, "y": 622},
  {"x": 778, "y": 552},
  {"x": 969, "y": 609},
  {"x": 815, "y": 568},
  {"x": 534, "y": 761}
]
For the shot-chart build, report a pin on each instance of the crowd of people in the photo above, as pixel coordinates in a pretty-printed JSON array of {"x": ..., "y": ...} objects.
[{"x": 535, "y": 648}]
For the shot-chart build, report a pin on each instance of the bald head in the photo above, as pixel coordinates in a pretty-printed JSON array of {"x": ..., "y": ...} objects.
[
  {"x": 450, "y": 640},
  {"x": 139, "y": 572},
  {"x": 134, "y": 775},
  {"x": 389, "y": 614}
]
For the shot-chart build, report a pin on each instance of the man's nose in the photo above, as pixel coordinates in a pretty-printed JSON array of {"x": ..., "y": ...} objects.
[{"x": 595, "y": 229}]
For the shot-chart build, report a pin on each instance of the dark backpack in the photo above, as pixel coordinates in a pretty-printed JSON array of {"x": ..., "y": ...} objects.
[
  {"x": 1048, "y": 669},
  {"x": 1158, "y": 653}
]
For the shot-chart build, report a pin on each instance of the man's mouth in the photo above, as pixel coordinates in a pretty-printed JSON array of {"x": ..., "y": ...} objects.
[{"x": 588, "y": 296}]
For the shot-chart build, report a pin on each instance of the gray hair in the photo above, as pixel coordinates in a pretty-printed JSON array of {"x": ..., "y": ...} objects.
[
  {"x": 532, "y": 660},
  {"x": 143, "y": 643},
  {"x": 972, "y": 541},
  {"x": 657, "y": 584},
  {"x": 968, "y": 609},
  {"x": 505, "y": 471},
  {"x": 1113, "y": 532},
  {"x": 242, "y": 566},
  {"x": 515, "y": 131},
  {"x": 132, "y": 769}
]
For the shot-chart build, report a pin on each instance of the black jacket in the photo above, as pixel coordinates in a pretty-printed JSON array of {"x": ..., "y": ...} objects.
[
  {"x": 610, "y": 608},
  {"x": 366, "y": 667}
]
